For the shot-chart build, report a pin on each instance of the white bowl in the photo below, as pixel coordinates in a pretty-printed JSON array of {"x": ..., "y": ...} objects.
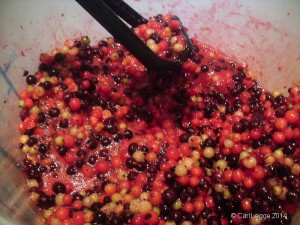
[{"x": 265, "y": 34}]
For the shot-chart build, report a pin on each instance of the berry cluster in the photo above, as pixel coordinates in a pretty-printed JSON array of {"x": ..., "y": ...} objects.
[{"x": 102, "y": 146}]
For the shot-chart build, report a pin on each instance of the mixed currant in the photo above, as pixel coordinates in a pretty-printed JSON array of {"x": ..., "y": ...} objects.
[{"x": 106, "y": 143}]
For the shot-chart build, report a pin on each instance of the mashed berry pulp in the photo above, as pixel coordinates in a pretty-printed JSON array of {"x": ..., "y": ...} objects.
[{"x": 105, "y": 144}]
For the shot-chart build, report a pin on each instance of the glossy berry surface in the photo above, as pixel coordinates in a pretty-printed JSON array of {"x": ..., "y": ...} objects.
[{"x": 104, "y": 144}]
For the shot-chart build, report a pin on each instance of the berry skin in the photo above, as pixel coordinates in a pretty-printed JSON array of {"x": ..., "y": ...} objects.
[
  {"x": 169, "y": 196},
  {"x": 292, "y": 116},
  {"x": 62, "y": 213},
  {"x": 138, "y": 219},
  {"x": 278, "y": 137},
  {"x": 151, "y": 218},
  {"x": 58, "y": 187},
  {"x": 281, "y": 124},
  {"x": 237, "y": 175},
  {"x": 78, "y": 218},
  {"x": 102, "y": 166},
  {"x": 31, "y": 79},
  {"x": 258, "y": 173},
  {"x": 248, "y": 182},
  {"x": 75, "y": 104}
]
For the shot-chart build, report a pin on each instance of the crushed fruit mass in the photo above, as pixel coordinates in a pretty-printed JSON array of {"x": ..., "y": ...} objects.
[{"x": 106, "y": 142}]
